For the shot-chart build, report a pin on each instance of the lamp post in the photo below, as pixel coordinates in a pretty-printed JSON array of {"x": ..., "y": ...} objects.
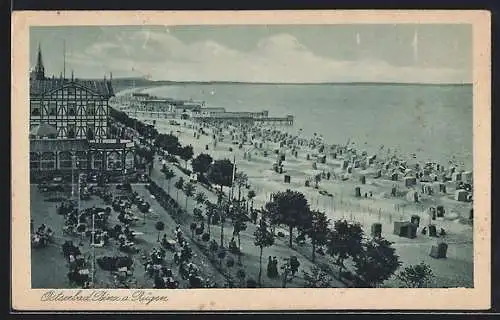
[
  {"x": 93, "y": 248},
  {"x": 73, "y": 157}
]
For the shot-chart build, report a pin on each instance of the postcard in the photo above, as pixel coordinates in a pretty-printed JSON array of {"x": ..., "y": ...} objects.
[{"x": 253, "y": 160}]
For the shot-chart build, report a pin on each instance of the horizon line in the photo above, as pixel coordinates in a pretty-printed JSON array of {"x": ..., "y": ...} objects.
[{"x": 291, "y": 83}]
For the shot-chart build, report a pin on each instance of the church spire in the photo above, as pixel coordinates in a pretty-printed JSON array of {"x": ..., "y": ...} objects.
[{"x": 39, "y": 68}]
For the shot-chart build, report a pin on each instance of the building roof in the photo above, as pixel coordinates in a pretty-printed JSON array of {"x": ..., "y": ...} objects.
[
  {"x": 47, "y": 85},
  {"x": 158, "y": 100},
  {"x": 222, "y": 109},
  {"x": 56, "y": 145}
]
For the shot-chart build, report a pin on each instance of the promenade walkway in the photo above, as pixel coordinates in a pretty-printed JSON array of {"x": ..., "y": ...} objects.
[{"x": 250, "y": 258}]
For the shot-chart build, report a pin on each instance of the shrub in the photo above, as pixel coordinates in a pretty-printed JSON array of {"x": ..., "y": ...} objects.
[
  {"x": 172, "y": 159},
  {"x": 205, "y": 237},
  {"x": 230, "y": 262},
  {"x": 251, "y": 283},
  {"x": 241, "y": 274}
]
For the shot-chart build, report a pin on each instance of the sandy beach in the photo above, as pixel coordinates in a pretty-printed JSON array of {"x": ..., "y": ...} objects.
[{"x": 256, "y": 159}]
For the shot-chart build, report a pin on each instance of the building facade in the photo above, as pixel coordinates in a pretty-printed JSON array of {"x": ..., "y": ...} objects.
[
  {"x": 78, "y": 112},
  {"x": 157, "y": 105}
]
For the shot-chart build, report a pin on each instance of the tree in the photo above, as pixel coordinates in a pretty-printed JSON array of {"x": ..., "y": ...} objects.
[
  {"x": 377, "y": 262},
  {"x": 179, "y": 185},
  {"x": 238, "y": 226},
  {"x": 159, "y": 226},
  {"x": 317, "y": 230},
  {"x": 316, "y": 278},
  {"x": 200, "y": 198},
  {"x": 186, "y": 153},
  {"x": 168, "y": 142},
  {"x": 189, "y": 189},
  {"x": 263, "y": 238},
  {"x": 345, "y": 240},
  {"x": 220, "y": 173},
  {"x": 201, "y": 163},
  {"x": 240, "y": 179},
  {"x": 289, "y": 208},
  {"x": 169, "y": 175},
  {"x": 211, "y": 210},
  {"x": 251, "y": 195},
  {"x": 416, "y": 276}
]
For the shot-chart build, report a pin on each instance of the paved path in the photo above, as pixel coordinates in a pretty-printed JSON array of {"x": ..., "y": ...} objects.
[{"x": 251, "y": 253}]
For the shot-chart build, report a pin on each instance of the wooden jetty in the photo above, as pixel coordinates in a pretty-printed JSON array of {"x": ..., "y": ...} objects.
[
  {"x": 285, "y": 121},
  {"x": 216, "y": 118}
]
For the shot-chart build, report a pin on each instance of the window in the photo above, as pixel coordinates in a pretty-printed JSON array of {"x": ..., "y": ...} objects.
[
  {"x": 34, "y": 161},
  {"x": 65, "y": 160},
  {"x": 71, "y": 130},
  {"x": 97, "y": 163},
  {"x": 114, "y": 161},
  {"x": 81, "y": 160},
  {"x": 52, "y": 108},
  {"x": 129, "y": 160},
  {"x": 90, "y": 131},
  {"x": 35, "y": 108},
  {"x": 90, "y": 111},
  {"x": 48, "y": 161},
  {"x": 71, "y": 109}
]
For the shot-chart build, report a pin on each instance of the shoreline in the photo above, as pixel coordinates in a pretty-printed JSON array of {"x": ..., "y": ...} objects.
[
  {"x": 345, "y": 205},
  {"x": 393, "y": 151},
  {"x": 379, "y": 207}
]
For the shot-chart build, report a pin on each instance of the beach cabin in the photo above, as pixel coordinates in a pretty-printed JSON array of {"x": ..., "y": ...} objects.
[
  {"x": 362, "y": 179},
  {"x": 321, "y": 158},
  {"x": 456, "y": 176},
  {"x": 461, "y": 195},
  {"x": 428, "y": 189},
  {"x": 376, "y": 230},
  {"x": 394, "y": 176},
  {"x": 357, "y": 192},
  {"x": 440, "y": 211},
  {"x": 410, "y": 181},
  {"x": 439, "y": 251},
  {"x": 345, "y": 164},
  {"x": 405, "y": 229},
  {"x": 412, "y": 196},
  {"x": 467, "y": 176},
  {"x": 442, "y": 187},
  {"x": 415, "y": 219},
  {"x": 408, "y": 172},
  {"x": 371, "y": 160}
]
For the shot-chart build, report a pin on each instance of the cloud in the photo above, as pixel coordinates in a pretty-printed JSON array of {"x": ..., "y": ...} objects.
[{"x": 278, "y": 58}]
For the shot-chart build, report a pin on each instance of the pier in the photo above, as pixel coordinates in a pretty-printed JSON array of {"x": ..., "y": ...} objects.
[
  {"x": 216, "y": 118},
  {"x": 284, "y": 121}
]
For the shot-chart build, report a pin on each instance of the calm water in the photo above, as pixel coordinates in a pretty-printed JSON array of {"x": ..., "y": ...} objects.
[{"x": 434, "y": 122}]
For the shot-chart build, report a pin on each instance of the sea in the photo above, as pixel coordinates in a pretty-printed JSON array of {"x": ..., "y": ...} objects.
[{"x": 424, "y": 122}]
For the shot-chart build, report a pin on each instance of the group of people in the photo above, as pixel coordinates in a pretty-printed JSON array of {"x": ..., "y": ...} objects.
[
  {"x": 42, "y": 236},
  {"x": 272, "y": 267}
]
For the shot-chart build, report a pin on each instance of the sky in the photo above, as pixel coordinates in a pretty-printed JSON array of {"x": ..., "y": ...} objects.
[{"x": 401, "y": 53}]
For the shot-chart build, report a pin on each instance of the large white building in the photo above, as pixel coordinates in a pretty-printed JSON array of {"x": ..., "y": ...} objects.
[{"x": 69, "y": 126}]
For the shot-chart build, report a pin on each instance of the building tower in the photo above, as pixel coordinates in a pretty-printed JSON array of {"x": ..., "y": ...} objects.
[{"x": 39, "y": 72}]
